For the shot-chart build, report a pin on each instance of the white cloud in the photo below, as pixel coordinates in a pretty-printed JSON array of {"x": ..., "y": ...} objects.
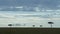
[
  {"x": 37, "y": 9},
  {"x": 58, "y": 10},
  {"x": 19, "y": 7},
  {"x": 35, "y": 20},
  {"x": 49, "y": 10},
  {"x": 12, "y": 19}
]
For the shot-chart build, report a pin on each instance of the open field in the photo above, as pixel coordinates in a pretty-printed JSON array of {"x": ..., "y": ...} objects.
[{"x": 29, "y": 30}]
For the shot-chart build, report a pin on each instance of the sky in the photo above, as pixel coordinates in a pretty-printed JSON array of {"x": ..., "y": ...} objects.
[{"x": 30, "y": 12}]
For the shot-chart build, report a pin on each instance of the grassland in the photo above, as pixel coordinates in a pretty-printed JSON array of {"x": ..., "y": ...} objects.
[{"x": 29, "y": 30}]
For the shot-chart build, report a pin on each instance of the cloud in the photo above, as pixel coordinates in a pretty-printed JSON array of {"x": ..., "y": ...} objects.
[
  {"x": 25, "y": 20},
  {"x": 37, "y": 9},
  {"x": 19, "y": 7},
  {"x": 10, "y": 18}
]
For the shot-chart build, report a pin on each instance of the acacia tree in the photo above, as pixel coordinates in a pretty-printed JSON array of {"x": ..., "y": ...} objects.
[
  {"x": 41, "y": 26},
  {"x": 33, "y": 25},
  {"x": 50, "y": 23},
  {"x": 9, "y": 24}
]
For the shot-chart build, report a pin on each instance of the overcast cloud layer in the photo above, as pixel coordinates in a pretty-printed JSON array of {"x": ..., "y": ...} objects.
[
  {"x": 52, "y": 4},
  {"x": 30, "y": 12}
]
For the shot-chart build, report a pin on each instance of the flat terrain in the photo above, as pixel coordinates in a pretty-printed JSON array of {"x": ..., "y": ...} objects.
[{"x": 29, "y": 30}]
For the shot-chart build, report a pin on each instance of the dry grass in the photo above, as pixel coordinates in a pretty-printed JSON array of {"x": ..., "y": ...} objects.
[{"x": 29, "y": 30}]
